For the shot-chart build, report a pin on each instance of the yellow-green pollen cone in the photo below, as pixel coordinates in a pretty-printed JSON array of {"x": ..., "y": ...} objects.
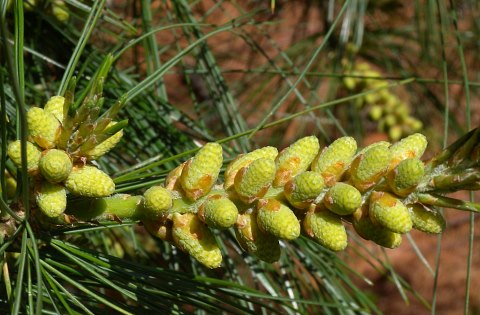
[
  {"x": 55, "y": 106},
  {"x": 295, "y": 159},
  {"x": 410, "y": 147},
  {"x": 253, "y": 181},
  {"x": 342, "y": 199},
  {"x": 201, "y": 172},
  {"x": 375, "y": 233},
  {"x": 33, "y": 155},
  {"x": 426, "y": 220},
  {"x": 277, "y": 219},
  {"x": 405, "y": 177},
  {"x": 51, "y": 199},
  {"x": 389, "y": 212},
  {"x": 255, "y": 242},
  {"x": 157, "y": 201},
  {"x": 304, "y": 189},
  {"x": 218, "y": 212},
  {"x": 89, "y": 181},
  {"x": 333, "y": 160},
  {"x": 369, "y": 167},
  {"x": 43, "y": 128},
  {"x": 326, "y": 228},
  {"x": 105, "y": 146},
  {"x": 55, "y": 165},
  {"x": 193, "y": 236},
  {"x": 244, "y": 160}
]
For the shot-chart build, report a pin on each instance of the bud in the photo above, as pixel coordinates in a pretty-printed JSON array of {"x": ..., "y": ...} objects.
[
  {"x": 326, "y": 228},
  {"x": 157, "y": 201},
  {"x": 253, "y": 181},
  {"x": 55, "y": 165},
  {"x": 33, "y": 155},
  {"x": 43, "y": 127},
  {"x": 277, "y": 219},
  {"x": 343, "y": 199},
  {"x": 218, "y": 212},
  {"x": 389, "y": 212},
  {"x": 304, "y": 189},
  {"x": 51, "y": 199},
  {"x": 295, "y": 159},
  {"x": 426, "y": 220},
  {"x": 369, "y": 167},
  {"x": 89, "y": 181},
  {"x": 193, "y": 237},
  {"x": 377, "y": 234},
  {"x": 406, "y": 176},
  {"x": 244, "y": 160},
  {"x": 201, "y": 172},
  {"x": 262, "y": 245},
  {"x": 412, "y": 146},
  {"x": 332, "y": 162},
  {"x": 54, "y": 106}
]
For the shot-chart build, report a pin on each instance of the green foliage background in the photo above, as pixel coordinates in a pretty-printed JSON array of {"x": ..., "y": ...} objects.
[{"x": 236, "y": 73}]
